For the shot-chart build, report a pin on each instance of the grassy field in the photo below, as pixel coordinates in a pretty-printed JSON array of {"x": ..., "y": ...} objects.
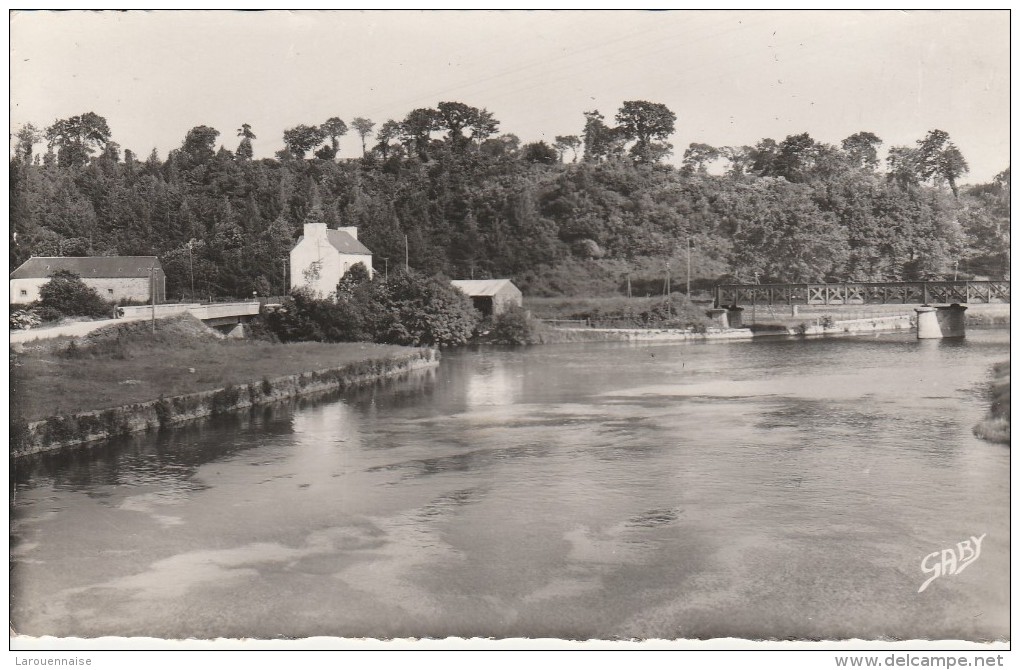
[{"x": 127, "y": 364}]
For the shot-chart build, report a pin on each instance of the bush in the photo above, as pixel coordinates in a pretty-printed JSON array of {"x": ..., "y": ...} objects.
[
  {"x": 67, "y": 294},
  {"x": 513, "y": 326},
  {"x": 408, "y": 309},
  {"x": 305, "y": 318},
  {"x": 412, "y": 309},
  {"x": 47, "y": 314},
  {"x": 23, "y": 320}
]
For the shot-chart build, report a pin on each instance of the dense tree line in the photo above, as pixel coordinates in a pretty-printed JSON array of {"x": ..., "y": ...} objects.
[{"x": 475, "y": 202}]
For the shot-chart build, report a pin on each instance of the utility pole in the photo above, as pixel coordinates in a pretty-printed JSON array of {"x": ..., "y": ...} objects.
[
  {"x": 152, "y": 294},
  {"x": 688, "y": 267},
  {"x": 407, "y": 264},
  {"x": 191, "y": 267}
]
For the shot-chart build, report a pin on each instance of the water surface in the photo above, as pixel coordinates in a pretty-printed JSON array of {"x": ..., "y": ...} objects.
[{"x": 784, "y": 489}]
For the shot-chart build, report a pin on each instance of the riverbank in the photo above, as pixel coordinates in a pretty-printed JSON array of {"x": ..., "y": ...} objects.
[
  {"x": 996, "y": 426},
  {"x": 124, "y": 379},
  {"x": 828, "y": 329}
]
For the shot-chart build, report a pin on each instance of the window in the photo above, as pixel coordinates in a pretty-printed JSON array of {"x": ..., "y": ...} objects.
[
  {"x": 110, "y": 291},
  {"x": 24, "y": 292}
]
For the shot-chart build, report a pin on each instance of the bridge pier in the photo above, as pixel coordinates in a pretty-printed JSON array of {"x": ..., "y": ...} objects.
[
  {"x": 941, "y": 322},
  {"x": 735, "y": 316},
  {"x": 719, "y": 317}
]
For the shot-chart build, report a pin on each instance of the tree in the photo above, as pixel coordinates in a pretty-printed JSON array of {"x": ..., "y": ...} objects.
[
  {"x": 862, "y": 149},
  {"x": 764, "y": 158},
  {"x": 540, "y": 152},
  {"x": 644, "y": 122},
  {"x": 199, "y": 145},
  {"x": 455, "y": 117},
  {"x": 952, "y": 166},
  {"x": 939, "y": 159},
  {"x": 904, "y": 166},
  {"x": 739, "y": 159},
  {"x": 389, "y": 131},
  {"x": 66, "y": 293},
  {"x": 416, "y": 130},
  {"x": 415, "y": 310},
  {"x": 334, "y": 128},
  {"x": 698, "y": 156},
  {"x": 796, "y": 158},
  {"x": 301, "y": 139},
  {"x": 27, "y": 137},
  {"x": 597, "y": 137},
  {"x": 77, "y": 137},
  {"x": 364, "y": 128},
  {"x": 244, "y": 151},
  {"x": 564, "y": 142},
  {"x": 783, "y": 236}
]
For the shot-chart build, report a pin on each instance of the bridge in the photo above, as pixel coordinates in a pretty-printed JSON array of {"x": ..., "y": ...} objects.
[
  {"x": 863, "y": 293},
  {"x": 222, "y": 315}
]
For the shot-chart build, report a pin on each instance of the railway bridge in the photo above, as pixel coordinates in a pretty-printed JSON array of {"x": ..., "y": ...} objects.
[{"x": 863, "y": 293}]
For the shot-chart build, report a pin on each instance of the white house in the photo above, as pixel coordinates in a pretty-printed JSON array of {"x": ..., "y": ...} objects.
[
  {"x": 323, "y": 255},
  {"x": 115, "y": 278}
]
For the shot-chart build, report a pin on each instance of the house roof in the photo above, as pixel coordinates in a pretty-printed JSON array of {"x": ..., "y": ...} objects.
[
  {"x": 344, "y": 242},
  {"x": 481, "y": 287},
  {"x": 87, "y": 266}
]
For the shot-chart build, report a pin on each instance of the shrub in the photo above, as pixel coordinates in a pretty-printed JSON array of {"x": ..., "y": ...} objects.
[
  {"x": 513, "y": 326},
  {"x": 412, "y": 309},
  {"x": 23, "y": 320},
  {"x": 66, "y": 293},
  {"x": 305, "y": 318},
  {"x": 47, "y": 314}
]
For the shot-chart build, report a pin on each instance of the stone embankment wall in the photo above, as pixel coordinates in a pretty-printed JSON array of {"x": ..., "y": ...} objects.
[
  {"x": 62, "y": 431},
  {"x": 847, "y": 327}
]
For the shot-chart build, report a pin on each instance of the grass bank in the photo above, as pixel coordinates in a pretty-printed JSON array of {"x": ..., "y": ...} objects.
[
  {"x": 126, "y": 366},
  {"x": 995, "y": 427}
]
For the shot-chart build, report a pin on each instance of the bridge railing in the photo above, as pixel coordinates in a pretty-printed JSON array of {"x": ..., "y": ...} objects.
[{"x": 863, "y": 293}]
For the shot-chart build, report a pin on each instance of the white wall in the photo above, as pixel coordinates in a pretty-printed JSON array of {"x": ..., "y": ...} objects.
[
  {"x": 315, "y": 248},
  {"x": 109, "y": 288}
]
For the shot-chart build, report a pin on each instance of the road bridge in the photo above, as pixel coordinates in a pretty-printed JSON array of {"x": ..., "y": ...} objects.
[{"x": 864, "y": 293}]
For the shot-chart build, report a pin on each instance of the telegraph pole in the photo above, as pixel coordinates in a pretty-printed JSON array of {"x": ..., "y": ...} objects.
[
  {"x": 152, "y": 294},
  {"x": 407, "y": 264},
  {"x": 688, "y": 267}
]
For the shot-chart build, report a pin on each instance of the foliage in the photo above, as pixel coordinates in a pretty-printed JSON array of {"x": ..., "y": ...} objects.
[
  {"x": 67, "y": 294},
  {"x": 471, "y": 202},
  {"x": 408, "y": 308},
  {"x": 513, "y": 326},
  {"x": 412, "y": 309},
  {"x": 306, "y": 318},
  {"x": 21, "y": 319}
]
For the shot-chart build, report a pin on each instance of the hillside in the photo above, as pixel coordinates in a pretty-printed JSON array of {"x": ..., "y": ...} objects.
[{"x": 556, "y": 219}]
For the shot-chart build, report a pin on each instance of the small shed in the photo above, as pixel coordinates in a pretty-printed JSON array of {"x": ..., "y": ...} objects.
[{"x": 490, "y": 296}]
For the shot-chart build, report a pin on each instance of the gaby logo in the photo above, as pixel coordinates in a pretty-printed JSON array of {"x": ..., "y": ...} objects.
[{"x": 950, "y": 561}]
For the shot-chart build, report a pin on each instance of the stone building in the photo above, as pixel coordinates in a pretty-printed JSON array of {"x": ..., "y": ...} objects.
[{"x": 115, "y": 278}]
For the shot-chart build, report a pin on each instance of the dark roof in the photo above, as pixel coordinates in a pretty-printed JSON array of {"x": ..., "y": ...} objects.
[
  {"x": 343, "y": 242},
  {"x": 87, "y": 266},
  {"x": 346, "y": 243}
]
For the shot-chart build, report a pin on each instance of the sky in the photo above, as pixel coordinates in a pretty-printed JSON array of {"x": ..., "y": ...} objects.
[{"x": 731, "y": 77}]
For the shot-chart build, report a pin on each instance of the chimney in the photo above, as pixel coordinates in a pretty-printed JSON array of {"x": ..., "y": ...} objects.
[
  {"x": 350, "y": 230},
  {"x": 315, "y": 229}
]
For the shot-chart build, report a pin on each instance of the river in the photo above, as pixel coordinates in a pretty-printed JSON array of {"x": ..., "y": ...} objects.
[{"x": 769, "y": 489}]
